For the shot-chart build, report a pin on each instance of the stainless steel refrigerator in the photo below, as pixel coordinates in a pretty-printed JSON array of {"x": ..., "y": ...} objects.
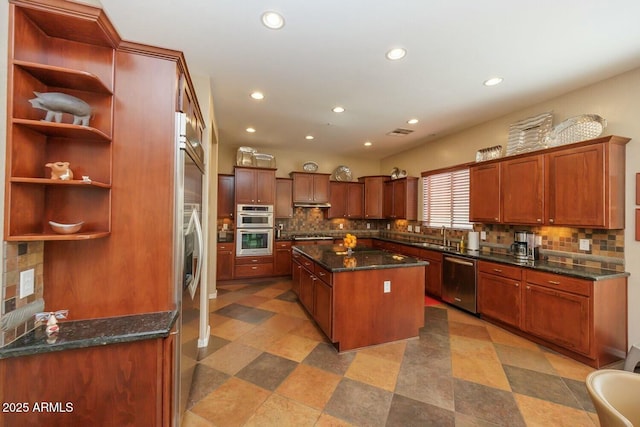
[{"x": 190, "y": 258}]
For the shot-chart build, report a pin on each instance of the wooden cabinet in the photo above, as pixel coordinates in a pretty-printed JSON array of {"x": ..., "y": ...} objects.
[
  {"x": 315, "y": 291},
  {"x": 577, "y": 185},
  {"x": 522, "y": 188},
  {"x": 296, "y": 270},
  {"x": 347, "y": 200},
  {"x": 56, "y": 51},
  {"x": 253, "y": 266},
  {"x": 500, "y": 292},
  {"x": 433, "y": 272},
  {"x": 484, "y": 193},
  {"x": 310, "y": 187},
  {"x": 282, "y": 258},
  {"x": 307, "y": 280},
  {"x": 584, "y": 319},
  {"x": 226, "y": 195},
  {"x": 255, "y": 186},
  {"x": 586, "y": 184},
  {"x": 373, "y": 196},
  {"x": 284, "y": 203},
  {"x": 323, "y": 305},
  {"x": 225, "y": 261},
  {"x": 401, "y": 199}
]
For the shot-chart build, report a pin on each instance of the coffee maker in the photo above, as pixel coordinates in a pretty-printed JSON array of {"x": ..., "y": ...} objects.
[{"x": 519, "y": 248}]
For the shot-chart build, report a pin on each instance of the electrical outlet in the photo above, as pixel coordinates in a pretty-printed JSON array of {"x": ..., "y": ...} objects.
[
  {"x": 225, "y": 227},
  {"x": 483, "y": 235},
  {"x": 340, "y": 226},
  {"x": 27, "y": 282},
  {"x": 388, "y": 226},
  {"x": 410, "y": 228},
  {"x": 585, "y": 244},
  {"x": 416, "y": 228},
  {"x": 368, "y": 226},
  {"x": 387, "y": 286},
  {"x": 281, "y": 226}
]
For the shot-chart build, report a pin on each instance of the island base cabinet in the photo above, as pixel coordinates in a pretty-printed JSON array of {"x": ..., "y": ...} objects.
[
  {"x": 112, "y": 385},
  {"x": 306, "y": 289},
  {"x": 364, "y": 314},
  {"x": 322, "y": 306},
  {"x": 559, "y": 317}
]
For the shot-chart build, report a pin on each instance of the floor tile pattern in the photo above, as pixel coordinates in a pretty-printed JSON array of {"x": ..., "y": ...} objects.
[{"x": 267, "y": 364}]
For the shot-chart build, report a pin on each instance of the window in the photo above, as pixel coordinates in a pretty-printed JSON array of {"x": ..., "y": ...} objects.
[{"x": 445, "y": 199}]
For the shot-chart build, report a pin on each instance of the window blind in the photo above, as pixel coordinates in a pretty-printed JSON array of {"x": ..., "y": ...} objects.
[{"x": 446, "y": 199}]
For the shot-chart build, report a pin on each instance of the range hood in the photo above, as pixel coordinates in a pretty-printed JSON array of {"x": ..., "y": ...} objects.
[{"x": 311, "y": 205}]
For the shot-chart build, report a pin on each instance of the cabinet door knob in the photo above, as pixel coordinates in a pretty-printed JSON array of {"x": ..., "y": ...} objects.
[
  {"x": 539, "y": 220},
  {"x": 517, "y": 285},
  {"x": 550, "y": 219}
]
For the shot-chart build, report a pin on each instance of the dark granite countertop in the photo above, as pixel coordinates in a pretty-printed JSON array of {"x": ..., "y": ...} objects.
[
  {"x": 578, "y": 271},
  {"x": 93, "y": 332},
  {"x": 335, "y": 259}
]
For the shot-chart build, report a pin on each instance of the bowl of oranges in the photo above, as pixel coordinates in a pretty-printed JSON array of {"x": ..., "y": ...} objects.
[{"x": 350, "y": 241}]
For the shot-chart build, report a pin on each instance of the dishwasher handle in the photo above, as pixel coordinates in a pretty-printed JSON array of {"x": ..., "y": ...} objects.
[{"x": 459, "y": 261}]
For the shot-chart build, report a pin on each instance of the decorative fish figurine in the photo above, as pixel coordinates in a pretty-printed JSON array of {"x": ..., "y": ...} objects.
[{"x": 56, "y": 103}]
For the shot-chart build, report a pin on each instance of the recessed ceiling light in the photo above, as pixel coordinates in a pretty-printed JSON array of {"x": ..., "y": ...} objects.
[
  {"x": 396, "y": 53},
  {"x": 338, "y": 109},
  {"x": 493, "y": 81},
  {"x": 250, "y": 130},
  {"x": 257, "y": 95},
  {"x": 368, "y": 144},
  {"x": 412, "y": 121},
  {"x": 309, "y": 137},
  {"x": 272, "y": 20}
]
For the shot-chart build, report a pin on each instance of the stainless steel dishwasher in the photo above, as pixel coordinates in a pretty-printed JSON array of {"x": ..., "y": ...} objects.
[{"x": 459, "y": 282}]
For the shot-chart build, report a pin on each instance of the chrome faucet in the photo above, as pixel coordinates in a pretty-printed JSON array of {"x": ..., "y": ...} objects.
[{"x": 444, "y": 236}]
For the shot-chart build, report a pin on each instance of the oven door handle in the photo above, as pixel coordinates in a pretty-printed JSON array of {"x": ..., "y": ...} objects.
[
  {"x": 194, "y": 223},
  {"x": 459, "y": 261}
]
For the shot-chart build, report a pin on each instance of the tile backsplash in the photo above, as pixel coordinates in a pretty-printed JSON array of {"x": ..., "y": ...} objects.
[{"x": 19, "y": 257}]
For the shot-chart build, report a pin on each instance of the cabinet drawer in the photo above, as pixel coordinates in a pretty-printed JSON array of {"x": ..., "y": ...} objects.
[
  {"x": 411, "y": 251},
  {"x": 283, "y": 245},
  {"x": 502, "y": 270},
  {"x": 225, "y": 247},
  {"x": 323, "y": 274},
  {"x": 433, "y": 256},
  {"x": 254, "y": 270},
  {"x": 559, "y": 282},
  {"x": 254, "y": 260},
  {"x": 306, "y": 263}
]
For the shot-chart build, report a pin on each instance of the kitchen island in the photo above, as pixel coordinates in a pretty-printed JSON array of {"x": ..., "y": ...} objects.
[{"x": 358, "y": 299}]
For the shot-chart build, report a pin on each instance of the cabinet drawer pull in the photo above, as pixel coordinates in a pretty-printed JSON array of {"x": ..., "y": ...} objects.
[
  {"x": 553, "y": 282},
  {"x": 254, "y": 260},
  {"x": 254, "y": 267},
  {"x": 321, "y": 274},
  {"x": 497, "y": 270},
  {"x": 539, "y": 219}
]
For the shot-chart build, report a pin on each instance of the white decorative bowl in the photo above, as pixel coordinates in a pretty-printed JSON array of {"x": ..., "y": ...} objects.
[{"x": 66, "y": 228}]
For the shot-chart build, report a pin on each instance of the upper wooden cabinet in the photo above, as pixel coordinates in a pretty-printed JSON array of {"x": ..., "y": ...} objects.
[
  {"x": 347, "y": 200},
  {"x": 284, "y": 204},
  {"x": 586, "y": 184},
  {"x": 373, "y": 195},
  {"x": 71, "y": 53},
  {"x": 226, "y": 194},
  {"x": 310, "y": 187},
  {"x": 580, "y": 185},
  {"x": 523, "y": 190},
  {"x": 255, "y": 186},
  {"x": 484, "y": 193},
  {"x": 401, "y": 199}
]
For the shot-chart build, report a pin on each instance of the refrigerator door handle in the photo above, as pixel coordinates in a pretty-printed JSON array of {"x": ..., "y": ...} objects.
[{"x": 194, "y": 222}]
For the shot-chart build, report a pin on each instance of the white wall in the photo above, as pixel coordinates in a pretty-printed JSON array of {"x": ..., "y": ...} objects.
[{"x": 616, "y": 99}]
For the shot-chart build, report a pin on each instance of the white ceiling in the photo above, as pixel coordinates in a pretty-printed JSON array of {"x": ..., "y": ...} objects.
[{"x": 331, "y": 52}]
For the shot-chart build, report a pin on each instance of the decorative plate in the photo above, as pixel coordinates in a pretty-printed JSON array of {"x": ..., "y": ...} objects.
[
  {"x": 527, "y": 135},
  {"x": 310, "y": 167},
  {"x": 342, "y": 173}
]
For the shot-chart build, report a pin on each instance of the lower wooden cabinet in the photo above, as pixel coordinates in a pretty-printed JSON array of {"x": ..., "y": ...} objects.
[
  {"x": 225, "y": 261},
  {"x": 257, "y": 266},
  {"x": 322, "y": 306},
  {"x": 433, "y": 272},
  {"x": 282, "y": 258},
  {"x": 125, "y": 384},
  {"x": 500, "y": 292},
  {"x": 307, "y": 280},
  {"x": 296, "y": 269},
  {"x": 584, "y": 319}
]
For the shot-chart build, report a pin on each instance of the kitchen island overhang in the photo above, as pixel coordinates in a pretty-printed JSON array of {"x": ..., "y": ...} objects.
[{"x": 363, "y": 298}]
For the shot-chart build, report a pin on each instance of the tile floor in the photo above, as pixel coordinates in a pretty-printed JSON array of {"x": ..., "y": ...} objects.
[{"x": 267, "y": 364}]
